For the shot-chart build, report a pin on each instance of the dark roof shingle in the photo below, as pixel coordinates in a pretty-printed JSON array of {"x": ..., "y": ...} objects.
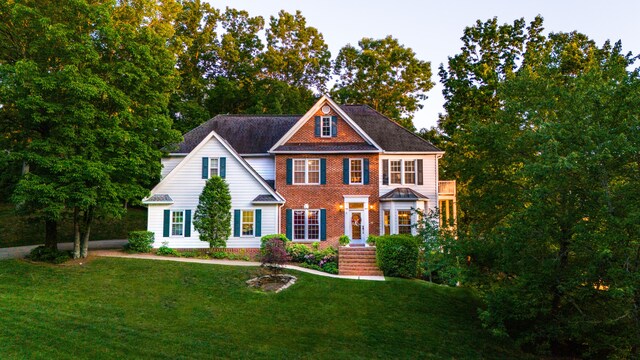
[
  {"x": 402, "y": 194},
  {"x": 326, "y": 147}
]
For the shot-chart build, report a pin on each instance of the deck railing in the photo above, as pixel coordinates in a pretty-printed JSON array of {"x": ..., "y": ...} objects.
[{"x": 447, "y": 187}]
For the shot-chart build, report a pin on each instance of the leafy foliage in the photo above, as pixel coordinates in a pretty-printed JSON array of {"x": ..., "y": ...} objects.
[
  {"x": 397, "y": 255},
  {"x": 344, "y": 240},
  {"x": 46, "y": 254},
  {"x": 213, "y": 214},
  {"x": 440, "y": 253},
  {"x": 140, "y": 241},
  {"x": 273, "y": 253},
  {"x": 542, "y": 135},
  {"x": 384, "y": 75}
]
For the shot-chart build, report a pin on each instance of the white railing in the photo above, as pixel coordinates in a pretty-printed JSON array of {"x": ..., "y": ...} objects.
[{"x": 447, "y": 187}]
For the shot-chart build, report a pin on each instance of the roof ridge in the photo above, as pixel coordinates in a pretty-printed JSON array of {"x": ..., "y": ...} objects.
[
  {"x": 258, "y": 115},
  {"x": 402, "y": 127}
]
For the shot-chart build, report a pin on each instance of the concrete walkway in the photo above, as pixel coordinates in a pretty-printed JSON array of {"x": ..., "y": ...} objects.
[
  {"x": 108, "y": 253},
  {"x": 21, "y": 251}
]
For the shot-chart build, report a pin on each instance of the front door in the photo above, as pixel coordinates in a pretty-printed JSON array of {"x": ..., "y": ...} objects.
[{"x": 356, "y": 226}]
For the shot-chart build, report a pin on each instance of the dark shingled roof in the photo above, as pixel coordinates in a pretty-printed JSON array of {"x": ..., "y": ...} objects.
[
  {"x": 265, "y": 198},
  {"x": 247, "y": 134},
  {"x": 256, "y": 134},
  {"x": 159, "y": 198},
  {"x": 386, "y": 133},
  {"x": 326, "y": 147},
  {"x": 402, "y": 194}
]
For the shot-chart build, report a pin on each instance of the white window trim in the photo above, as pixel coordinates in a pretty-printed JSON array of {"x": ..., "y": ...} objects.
[
  {"x": 322, "y": 119},
  {"x": 306, "y": 225},
  {"x": 306, "y": 172},
  {"x": 242, "y": 211},
  {"x": 171, "y": 223},
  {"x": 211, "y": 167},
  {"x": 361, "y": 172},
  {"x": 402, "y": 172}
]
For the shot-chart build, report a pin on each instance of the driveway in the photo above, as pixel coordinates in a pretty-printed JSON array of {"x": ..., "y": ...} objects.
[{"x": 21, "y": 251}]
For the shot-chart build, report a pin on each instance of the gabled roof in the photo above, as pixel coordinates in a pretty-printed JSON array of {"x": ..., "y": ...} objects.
[
  {"x": 159, "y": 199},
  {"x": 389, "y": 135},
  {"x": 233, "y": 153},
  {"x": 403, "y": 194},
  {"x": 247, "y": 134},
  {"x": 324, "y": 100}
]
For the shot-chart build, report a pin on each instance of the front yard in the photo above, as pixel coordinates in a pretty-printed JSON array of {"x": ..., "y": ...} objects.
[{"x": 125, "y": 308}]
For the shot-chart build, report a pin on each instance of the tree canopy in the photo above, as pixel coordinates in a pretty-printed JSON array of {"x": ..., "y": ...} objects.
[{"x": 541, "y": 133}]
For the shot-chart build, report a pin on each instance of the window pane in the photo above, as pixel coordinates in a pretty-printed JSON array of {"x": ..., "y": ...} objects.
[
  {"x": 326, "y": 126},
  {"x": 404, "y": 222},
  {"x": 387, "y": 222},
  {"x": 313, "y": 222},
  {"x": 356, "y": 206},
  {"x": 299, "y": 170},
  {"x": 396, "y": 172},
  {"x": 247, "y": 223},
  {"x": 177, "y": 222},
  {"x": 298, "y": 224},
  {"x": 314, "y": 171},
  {"x": 213, "y": 167},
  {"x": 409, "y": 172},
  {"x": 356, "y": 171}
]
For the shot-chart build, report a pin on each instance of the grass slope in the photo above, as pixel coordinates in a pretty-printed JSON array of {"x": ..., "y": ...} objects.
[
  {"x": 125, "y": 308},
  {"x": 18, "y": 231}
]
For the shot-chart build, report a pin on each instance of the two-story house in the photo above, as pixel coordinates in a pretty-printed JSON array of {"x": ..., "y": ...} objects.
[{"x": 332, "y": 171}]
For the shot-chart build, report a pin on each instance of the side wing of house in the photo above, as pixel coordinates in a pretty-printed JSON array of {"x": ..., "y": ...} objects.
[{"x": 173, "y": 202}]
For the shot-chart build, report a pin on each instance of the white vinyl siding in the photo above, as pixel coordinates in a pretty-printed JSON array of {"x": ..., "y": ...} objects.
[
  {"x": 265, "y": 166},
  {"x": 185, "y": 187},
  {"x": 169, "y": 163},
  {"x": 429, "y": 187}
]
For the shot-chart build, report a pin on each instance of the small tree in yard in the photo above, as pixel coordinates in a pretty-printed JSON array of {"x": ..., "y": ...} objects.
[{"x": 213, "y": 215}]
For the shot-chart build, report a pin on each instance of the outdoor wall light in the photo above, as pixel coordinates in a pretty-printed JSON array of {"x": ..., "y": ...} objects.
[{"x": 341, "y": 207}]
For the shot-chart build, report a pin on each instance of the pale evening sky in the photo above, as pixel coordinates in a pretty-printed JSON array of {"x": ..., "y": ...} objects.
[{"x": 433, "y": 28}]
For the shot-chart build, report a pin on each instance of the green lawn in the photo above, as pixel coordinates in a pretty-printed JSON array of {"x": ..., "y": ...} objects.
[
  {"x": 126, "y": 308},
  {"x": 18, "y": 231}
]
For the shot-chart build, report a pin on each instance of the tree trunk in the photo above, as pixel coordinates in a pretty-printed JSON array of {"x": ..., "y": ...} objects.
[
  {"x": 76, "y": 233},
  {"x": 51, "y": 234},
  {"x": 84, "y": 251}
]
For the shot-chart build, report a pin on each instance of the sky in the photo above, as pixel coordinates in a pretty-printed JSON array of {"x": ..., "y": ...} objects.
[{"x": 433, "y": 28}]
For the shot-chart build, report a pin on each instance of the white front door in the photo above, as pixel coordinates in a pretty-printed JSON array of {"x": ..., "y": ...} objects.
[{"x": 356, "y": 223}]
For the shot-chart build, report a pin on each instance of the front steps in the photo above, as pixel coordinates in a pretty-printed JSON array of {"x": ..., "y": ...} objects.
[{"x": 359, "y": 261}]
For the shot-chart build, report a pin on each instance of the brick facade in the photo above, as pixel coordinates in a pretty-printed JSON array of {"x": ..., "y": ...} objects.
[
  {"x": 330, "y": 195},
  {"x": 306, "y": 134}
]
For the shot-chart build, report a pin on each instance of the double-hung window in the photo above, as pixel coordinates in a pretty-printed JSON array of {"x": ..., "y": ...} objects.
[
  {"x": 306, "y": 225},
  {"x": 177, "y": 223},
  {"x": 355, "y": 171},
  {"x": 404, "y": 222},
  {"x": 402, "y": 172},
  {"x": 306, "y": 171},
  {"x": 325, "y": 126},
  {"x": 248, "y": 222},
  {"x": 409, "y": 172},
  {"x": 395, "y": 171},
  {"x": 214, "y": 167}
]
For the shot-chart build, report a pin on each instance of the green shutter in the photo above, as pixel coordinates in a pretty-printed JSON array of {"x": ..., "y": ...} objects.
[
  {"x": 317, "y": 128},
  {"x": 289, "y": 171},
  {"x": 420, "y": 172},
  {"x": 187, "y": 223},
  {"x": 323, "y": 171},
  {"x": 205, "y": 168},
  {"x": 365, "y": 171},
  {"x": 334, "y": 126},
  {"x": 236, "y": 223},
  {"x": 258, "y": 222},
  {"x": 223, "y": 167},
  {"x": 289, "y": 224},
  {"x": 345, "y": 171},
  {"x": 167, "y": 223},
  {"x": 323, "y": 224}
]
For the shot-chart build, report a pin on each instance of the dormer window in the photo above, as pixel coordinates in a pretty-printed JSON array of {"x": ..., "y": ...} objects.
[{"x": 326, "y": 126}]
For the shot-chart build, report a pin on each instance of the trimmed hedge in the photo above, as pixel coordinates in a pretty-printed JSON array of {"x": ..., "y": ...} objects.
[{"x": 397, "y": 255}]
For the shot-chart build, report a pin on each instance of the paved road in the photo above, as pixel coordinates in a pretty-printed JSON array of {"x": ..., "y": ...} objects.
[{"x": 21, "y": 251}]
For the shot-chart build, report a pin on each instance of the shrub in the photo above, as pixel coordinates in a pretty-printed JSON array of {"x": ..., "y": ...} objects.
[
  {"x": 344, "y": 240},
  {"x": 273, "y": 253},
  {"x": 167, "y": 251},
  {"x": 140, "y": 241},
  {"x": 281, "y": 237},
  {"x": 330, "y": 267},
  {"x": 397, "y": 255},
  {"x": 213, "y": 214},
  {"x": 45, "y": 254},
  {"x": 297, "y": 252}
]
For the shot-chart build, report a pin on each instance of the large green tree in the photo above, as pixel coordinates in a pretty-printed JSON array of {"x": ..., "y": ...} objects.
[
  {"x": 213, "y": 215},
  {"x": 87, "y": 92},
  {"x": 542, "y": 134},
  {"x": 385, "y": 75}
]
